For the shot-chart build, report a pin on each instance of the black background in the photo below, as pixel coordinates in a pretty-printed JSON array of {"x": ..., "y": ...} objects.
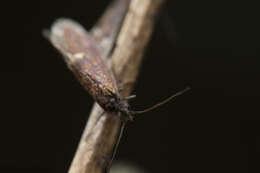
[{"x": 211, "y": 46}]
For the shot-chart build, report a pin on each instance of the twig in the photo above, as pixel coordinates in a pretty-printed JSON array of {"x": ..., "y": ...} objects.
[
  {"x": 132, "y": 41},
  {"x": 107, "y": 28}
]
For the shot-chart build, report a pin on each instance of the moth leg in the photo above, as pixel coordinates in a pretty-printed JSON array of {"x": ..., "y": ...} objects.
[{"x": 130, "y": 97}]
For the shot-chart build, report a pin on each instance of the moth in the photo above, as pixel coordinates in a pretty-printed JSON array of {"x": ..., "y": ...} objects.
[{"x": 86, "y": 62}]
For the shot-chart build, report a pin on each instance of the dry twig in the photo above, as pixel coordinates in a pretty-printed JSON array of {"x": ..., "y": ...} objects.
[{"x": 94, "y": 151}]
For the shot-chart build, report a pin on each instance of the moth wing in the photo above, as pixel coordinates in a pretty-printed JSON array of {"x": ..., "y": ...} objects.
[{"x": 83, "y": 56}]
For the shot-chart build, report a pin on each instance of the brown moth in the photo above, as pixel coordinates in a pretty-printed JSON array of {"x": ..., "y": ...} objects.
[{"x": 86, "y": 62}]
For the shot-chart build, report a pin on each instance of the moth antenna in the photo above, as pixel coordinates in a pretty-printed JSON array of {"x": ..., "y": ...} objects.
[{"x": 163, "y": 102}]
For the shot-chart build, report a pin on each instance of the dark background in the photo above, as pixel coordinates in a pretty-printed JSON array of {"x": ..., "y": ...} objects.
[{"x": 211, "y": 46}]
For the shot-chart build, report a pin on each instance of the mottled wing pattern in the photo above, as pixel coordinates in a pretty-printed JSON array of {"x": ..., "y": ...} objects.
[{"x": 84, "y": 59}]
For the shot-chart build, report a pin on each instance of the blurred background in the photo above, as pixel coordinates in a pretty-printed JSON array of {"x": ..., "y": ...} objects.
[{"x": 211, "y": 46}]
